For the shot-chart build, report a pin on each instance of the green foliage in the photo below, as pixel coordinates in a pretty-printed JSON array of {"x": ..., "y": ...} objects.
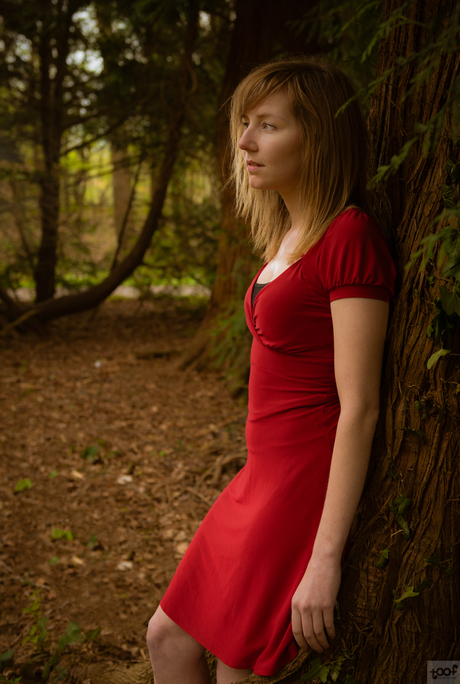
[
  {"x": 330, "y": 672},
  {"x": 93, "y": 542},
  {"x": 23, "y": 485},
  {"x": 6, "y": 659},
  {"x": 398, "y": 508},
  {"x": 409, "y": 592},
  {"x": 231, "y": 342},
  {"x": 383, "y": 558},
  {"x": 119, "y": 85},
  {"x": 38, "y": 635},
  {"x": 433, "y": 560},
  {"x": 90, "y": 453},
  {"x": 57, "y": 533},
  {"x": 447, "y": 306},
  {"x": 437, "y": 355},
  {"x": 419, "y": 433},
  {"x": 420, "y": 407},
  {"x": 343, "y": 29}
]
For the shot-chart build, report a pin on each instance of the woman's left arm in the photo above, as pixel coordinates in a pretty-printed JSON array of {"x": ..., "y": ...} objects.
[{"x": 359, "y": 334}]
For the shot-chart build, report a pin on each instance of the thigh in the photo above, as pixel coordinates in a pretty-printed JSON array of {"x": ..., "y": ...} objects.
[{"x": 228, "y": 675}]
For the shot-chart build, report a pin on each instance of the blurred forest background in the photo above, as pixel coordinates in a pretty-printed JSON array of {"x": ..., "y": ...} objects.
[{"x": 113, "y": 155}]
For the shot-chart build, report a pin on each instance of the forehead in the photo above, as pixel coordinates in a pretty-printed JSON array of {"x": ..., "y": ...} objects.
[{"x": 276, "y": 104}]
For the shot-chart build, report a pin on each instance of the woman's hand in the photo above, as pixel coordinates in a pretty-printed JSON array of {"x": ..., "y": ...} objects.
[{"x": 313, "y": 604}]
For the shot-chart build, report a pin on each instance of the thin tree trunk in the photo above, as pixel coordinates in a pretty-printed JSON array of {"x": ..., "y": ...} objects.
[
  {"x": 51, "y": 115},
  {"x": 122, "y": 190},
  {"x": 417, "y": 446},
  {"x": 18, "y": 212}
]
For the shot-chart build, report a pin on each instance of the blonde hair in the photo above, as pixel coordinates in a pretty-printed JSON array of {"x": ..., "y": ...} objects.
[{"x": 334, "y": 150}]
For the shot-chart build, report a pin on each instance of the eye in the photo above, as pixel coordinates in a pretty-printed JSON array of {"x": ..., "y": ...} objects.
[{"x": 268, "y": 126}]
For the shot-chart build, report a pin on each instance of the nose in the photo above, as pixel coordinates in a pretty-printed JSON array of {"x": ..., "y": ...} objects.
[{"x": 247, "y": 142}]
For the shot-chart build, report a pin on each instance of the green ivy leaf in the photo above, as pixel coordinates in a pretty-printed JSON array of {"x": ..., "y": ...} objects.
[
  {"x": 350, "y": 680},
  {"x": 57, "y": 533},
  {"x": 399, "y": 600},
  {"x": 398, "y": 508},
  {"x": 450, "y": 301},
  {"x": 23, "y": 485},
  {"x": 447, "y": 193},
  {"x": 90, "y": 453},
  {"x": 317, "y": 671},
  {"x": 6, "y": 659},
  {"x": 383, "y": 558},
  {"x": 453, "y": 170},
  {"x": 74, "y": 634},
  {"x": 437, "y": 355},
  {"x": 432, "y": 560},
  {"x": 451, "y": 245},
  {"x": 90, "y": 635}
]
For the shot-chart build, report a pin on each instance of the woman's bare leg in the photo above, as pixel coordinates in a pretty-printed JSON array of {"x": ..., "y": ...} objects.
[
  {"x": 176, "y": 657},
  {"x": 227, "y": 675}
]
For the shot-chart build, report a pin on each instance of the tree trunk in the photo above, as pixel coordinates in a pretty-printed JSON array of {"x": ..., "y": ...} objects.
[
  {"x": 417, "y": 447},
  {"x": 122, "y": 191},
  {"x": 54, "y": 308},
  {"x": 51, "y": 115}
]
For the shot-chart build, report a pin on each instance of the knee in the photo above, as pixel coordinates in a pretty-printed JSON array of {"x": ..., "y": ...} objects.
[{"x": 158, "y": 635}]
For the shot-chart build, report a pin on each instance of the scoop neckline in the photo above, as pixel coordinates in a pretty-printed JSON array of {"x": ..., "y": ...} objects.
[{"x": 345, "y": 211}]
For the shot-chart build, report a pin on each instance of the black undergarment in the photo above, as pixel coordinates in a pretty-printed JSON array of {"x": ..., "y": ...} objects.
[{"x": 256, "y": 289}]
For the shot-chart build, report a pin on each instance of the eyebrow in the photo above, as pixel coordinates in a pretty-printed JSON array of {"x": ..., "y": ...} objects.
[{"x": 266, "y": 115}]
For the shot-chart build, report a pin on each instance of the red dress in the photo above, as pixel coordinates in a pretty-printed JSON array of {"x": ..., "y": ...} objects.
[{"x": 232, "y": 590}]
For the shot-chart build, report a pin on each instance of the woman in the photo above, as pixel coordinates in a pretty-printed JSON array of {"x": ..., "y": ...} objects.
[{"x": 262, "y": 573}]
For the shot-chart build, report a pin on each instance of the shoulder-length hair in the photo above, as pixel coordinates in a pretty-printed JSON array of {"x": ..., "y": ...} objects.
[{"x": 334, "y": 149}]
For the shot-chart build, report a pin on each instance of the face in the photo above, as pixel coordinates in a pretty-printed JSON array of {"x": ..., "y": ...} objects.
[{"x": 271, "y": 146}]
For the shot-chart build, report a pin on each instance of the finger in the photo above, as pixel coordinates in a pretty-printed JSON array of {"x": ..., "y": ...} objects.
[
  {"x": 328, "y": 618},
  {"x": 318, "y": 629},
  {"x": 297, "y": 629},
  {"x": 309, "y": 633}
]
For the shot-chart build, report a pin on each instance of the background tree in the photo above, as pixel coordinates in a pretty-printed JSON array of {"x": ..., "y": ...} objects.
[{"x": 169, "y": 150}]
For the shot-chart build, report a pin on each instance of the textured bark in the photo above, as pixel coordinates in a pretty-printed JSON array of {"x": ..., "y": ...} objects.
[
  {"x": 248, "y": 48},
  {"x": 54, "y": 308},
  {"x": 393, "y": 645}
]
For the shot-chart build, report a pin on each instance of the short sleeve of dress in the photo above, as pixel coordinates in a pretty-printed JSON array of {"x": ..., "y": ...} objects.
[{"x": 354, "y": 259}]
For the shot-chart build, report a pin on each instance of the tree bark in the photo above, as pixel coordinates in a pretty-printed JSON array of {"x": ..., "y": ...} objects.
[
  {"x": 51, "y": 116},
  {"x": 54, "y": 308},
  {"x": 394, "y": 645}
]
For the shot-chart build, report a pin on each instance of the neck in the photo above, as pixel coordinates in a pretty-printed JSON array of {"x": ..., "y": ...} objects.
[{"x": 295, "y": 208}]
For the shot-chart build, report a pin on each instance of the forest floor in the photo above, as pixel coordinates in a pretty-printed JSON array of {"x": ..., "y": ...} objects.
[{"x": 119, "y": 454}]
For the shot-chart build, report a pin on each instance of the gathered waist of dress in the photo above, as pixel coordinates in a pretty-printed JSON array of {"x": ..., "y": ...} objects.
[{"x": 312, "y": 367}]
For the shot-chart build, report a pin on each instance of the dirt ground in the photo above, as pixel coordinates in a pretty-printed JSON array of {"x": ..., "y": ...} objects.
[{"x": 125, "y": 454}]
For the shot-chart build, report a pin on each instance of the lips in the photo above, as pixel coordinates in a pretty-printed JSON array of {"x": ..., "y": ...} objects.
[{"x": 251, "y": 162}]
